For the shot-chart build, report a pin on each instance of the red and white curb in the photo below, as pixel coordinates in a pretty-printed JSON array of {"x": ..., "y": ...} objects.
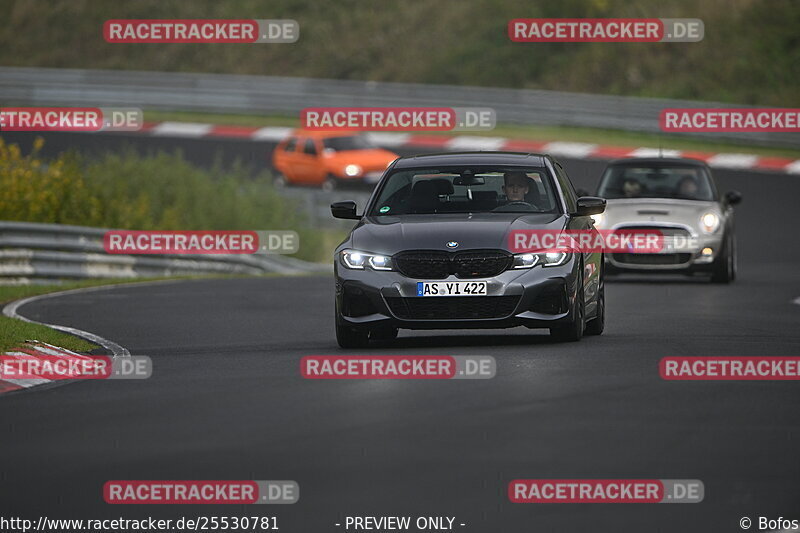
[
  {"x": 42, "y": 349},
  {"x": 33, "y": 350},
  {"x": 572, "y": 150}
]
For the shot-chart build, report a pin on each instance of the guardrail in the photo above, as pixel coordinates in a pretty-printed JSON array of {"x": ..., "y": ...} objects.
[
  {"x": 274, "y": 94},
  {"x": 49, "y": 252}
]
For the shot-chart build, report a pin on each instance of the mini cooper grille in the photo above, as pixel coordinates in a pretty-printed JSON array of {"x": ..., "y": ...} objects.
[
  {"x": 666, "y": 231},
  {"x": 653, "y": 259},
  {"x": 452, "y": 307},
  {"x": 438, "y": 265}
]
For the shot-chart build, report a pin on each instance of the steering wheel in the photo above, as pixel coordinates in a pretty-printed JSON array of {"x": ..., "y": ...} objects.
[{"x": 510, "y": 206}]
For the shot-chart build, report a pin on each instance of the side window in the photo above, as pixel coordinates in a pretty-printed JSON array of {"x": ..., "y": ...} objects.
[
  {"x": 570, "y": 197},
  {"x": 290, "y": 145},
  {"x": 309, "y": 147}
]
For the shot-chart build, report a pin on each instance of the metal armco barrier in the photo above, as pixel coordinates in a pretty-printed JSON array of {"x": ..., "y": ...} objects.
[
  {"x": 44, "y": 252},
  {"x": 274, "y": 94}
]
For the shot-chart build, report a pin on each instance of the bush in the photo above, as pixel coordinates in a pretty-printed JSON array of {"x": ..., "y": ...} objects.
[{"x": 160, "y": 192}]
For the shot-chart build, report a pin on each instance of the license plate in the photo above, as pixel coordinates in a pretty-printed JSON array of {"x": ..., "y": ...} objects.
[{"x": 451, "y": 288}]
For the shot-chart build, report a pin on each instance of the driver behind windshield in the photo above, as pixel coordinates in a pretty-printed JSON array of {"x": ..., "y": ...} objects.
[
  {"x": 516, "y": 186},
  {"x": 687, "y": 188},
  {"x": 632, "y": 188}
]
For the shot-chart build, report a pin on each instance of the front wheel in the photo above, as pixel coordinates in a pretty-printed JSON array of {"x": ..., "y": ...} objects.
[
  {"x": 596, "y": 325},
  {"x": 383, "y": 333},
  {"x": 351, "y": 338},
  {"x": 573, "y": 331},
  {"x": 280, "y": 181},
  {"x": 724, "y": 269},
  {"x": 329, "y": 184}
]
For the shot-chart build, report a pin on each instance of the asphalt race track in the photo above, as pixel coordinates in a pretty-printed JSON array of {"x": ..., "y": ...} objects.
[{"x": 226, "y": 400}]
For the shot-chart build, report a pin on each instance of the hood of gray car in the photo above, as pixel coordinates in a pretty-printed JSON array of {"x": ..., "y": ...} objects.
[
  {"x": 656, "y": 211},
  {"x": 389, "y": 235}
]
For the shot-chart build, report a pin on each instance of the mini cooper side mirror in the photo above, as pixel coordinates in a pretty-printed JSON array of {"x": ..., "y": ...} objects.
[
  {"x": 344, "y": 210},
  {"x": 733, "y": 197},
  {"x": 590, "y": 205}
]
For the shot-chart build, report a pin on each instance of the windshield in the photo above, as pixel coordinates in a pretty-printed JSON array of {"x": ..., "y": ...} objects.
[
  {"x": 682, "y": 182},
  {"x": 350, "y": 142},
  {"x": 467, "y": 190}
]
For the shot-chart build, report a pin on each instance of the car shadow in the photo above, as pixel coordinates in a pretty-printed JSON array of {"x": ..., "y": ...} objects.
[
  {"x": 657, "y": 280},
  {"x": 535, "y": 337}
]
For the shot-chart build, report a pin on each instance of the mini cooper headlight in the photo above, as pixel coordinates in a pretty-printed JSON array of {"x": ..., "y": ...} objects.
[
  {"x": 709, "y": 222},
  {"x": 357, "y": 260},
  {"x": 549, "y": 259},
  {"x": 352, "y": 170}
]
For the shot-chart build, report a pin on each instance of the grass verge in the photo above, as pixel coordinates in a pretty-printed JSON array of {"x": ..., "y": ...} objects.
[{"x": 14, "y": 333}]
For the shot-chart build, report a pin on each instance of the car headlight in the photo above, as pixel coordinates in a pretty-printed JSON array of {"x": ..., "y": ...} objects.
[
  {"x": 709, "y": 222},
  {"x": 549, "y": 259},
  {"x": 352, "y": 170},
  {"x": 552, "y": 259},
  {"x": 358, "y": 260},
  {"x": 525, "y": 260},
  {"x": 598, "y": 219}
]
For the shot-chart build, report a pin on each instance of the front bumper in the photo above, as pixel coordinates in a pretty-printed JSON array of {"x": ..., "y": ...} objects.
[
  {"x": 536, "y": 298},
  {"x": 679, "y": 260},
  {"x": 367, "y": 178}
]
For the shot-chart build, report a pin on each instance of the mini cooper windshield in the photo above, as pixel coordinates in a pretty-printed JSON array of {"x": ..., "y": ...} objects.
[
  {"x": 467, "y": 190},
  {"x": 678, "y": 182}
]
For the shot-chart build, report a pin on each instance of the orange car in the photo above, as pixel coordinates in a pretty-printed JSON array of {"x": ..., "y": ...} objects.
[{"x": 328, "y": 159}]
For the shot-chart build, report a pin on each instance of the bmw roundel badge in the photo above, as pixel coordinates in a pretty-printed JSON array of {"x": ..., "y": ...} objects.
[{"x": 452, "y": 244}]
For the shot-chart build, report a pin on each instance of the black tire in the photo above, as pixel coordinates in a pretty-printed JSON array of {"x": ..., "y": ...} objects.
[
  {"x": 330, "y": 184},
  {"x": 351, "y": 338},
  {"x": 280, "y": 181},
  {"x": 383, "y": 334},
  {"x": 596, "y": 325},
  {"x": 573, "y": 332},
  {"x": 724, "y": 268}
]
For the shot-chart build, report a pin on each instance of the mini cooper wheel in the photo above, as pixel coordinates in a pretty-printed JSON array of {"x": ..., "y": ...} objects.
[{"x": 724, "y": 269}]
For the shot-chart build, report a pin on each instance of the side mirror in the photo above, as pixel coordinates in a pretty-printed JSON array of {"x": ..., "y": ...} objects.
[
  {"x": 590, "y": 205},
  {"x": 344, "y": 210},
  {"x": 733, "y": 197}
]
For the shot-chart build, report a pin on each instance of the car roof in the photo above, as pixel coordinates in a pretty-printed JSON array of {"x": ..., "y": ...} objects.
[
  {"x": 521, "y": 159},
  {"x": 658, "y": 161},
  {"x": 326, "y": 134}
]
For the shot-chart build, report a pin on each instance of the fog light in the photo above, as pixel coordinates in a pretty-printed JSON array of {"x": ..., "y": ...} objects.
[{"x": 707, "y": 252}]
